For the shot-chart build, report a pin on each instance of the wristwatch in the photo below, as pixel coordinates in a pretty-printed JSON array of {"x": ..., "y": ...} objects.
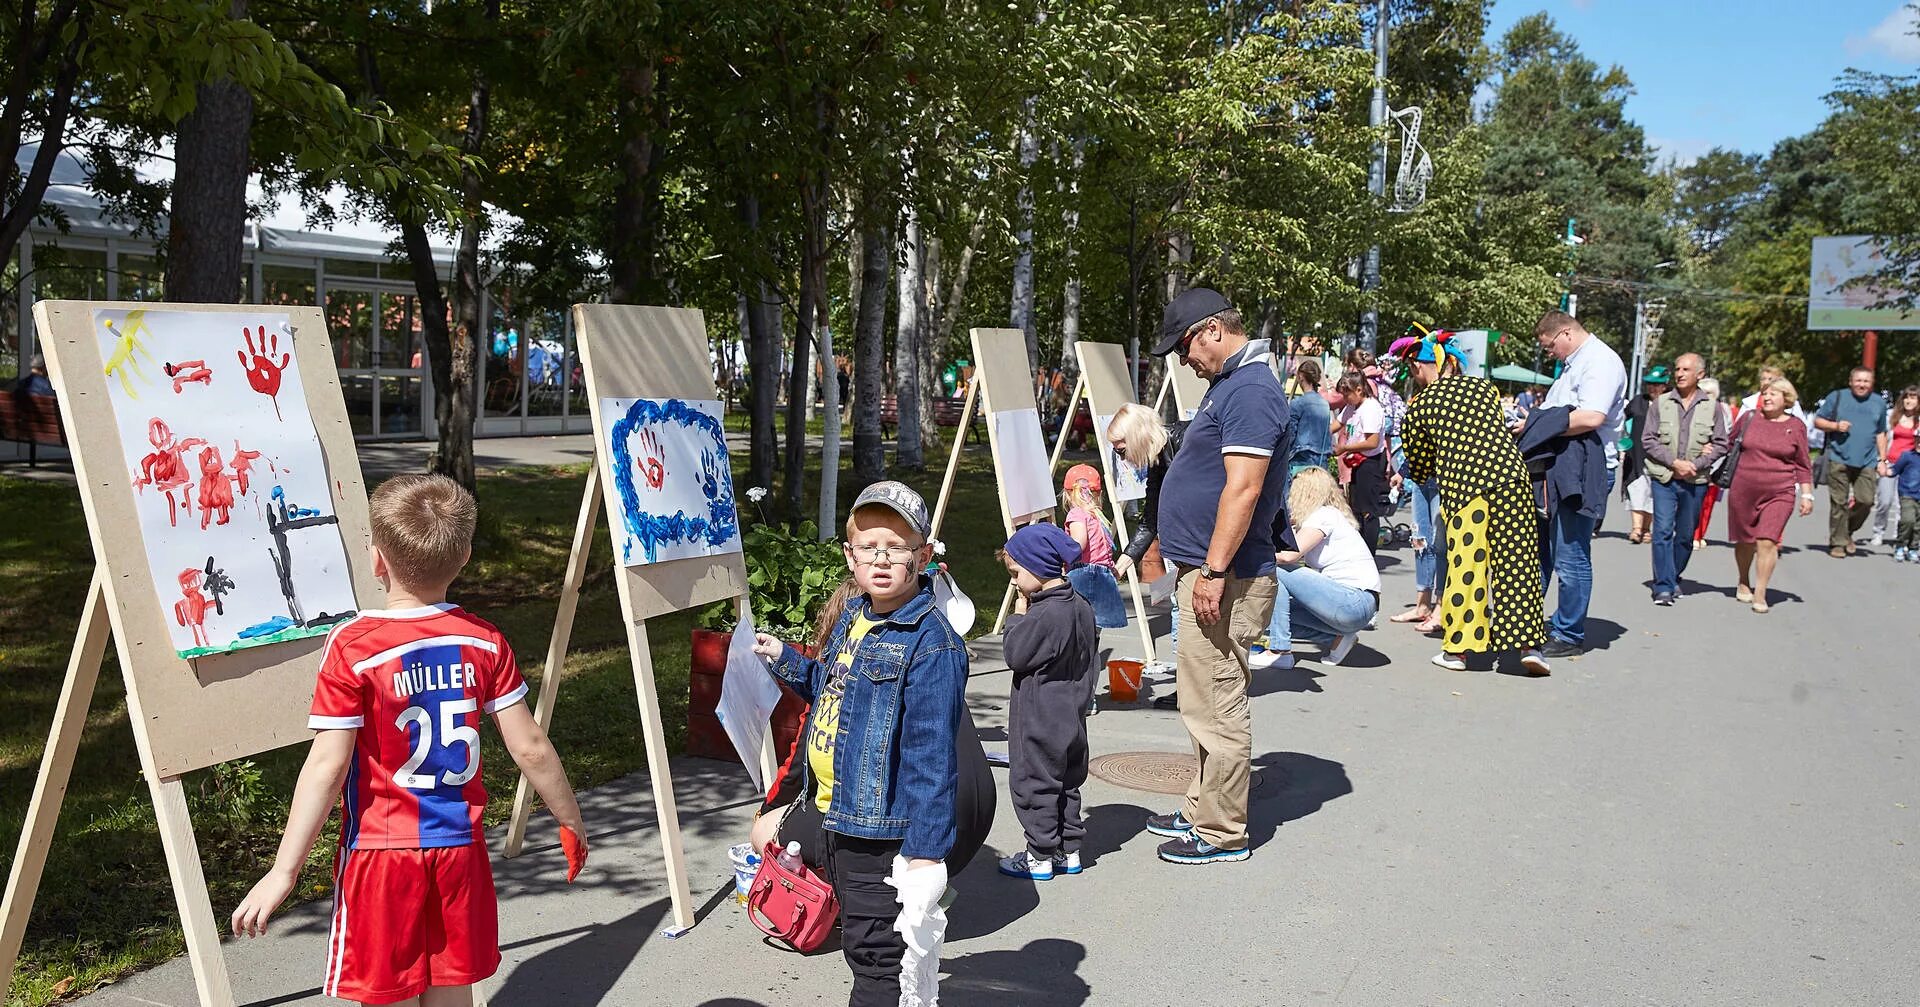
[{"x": 1209, "y": 573}]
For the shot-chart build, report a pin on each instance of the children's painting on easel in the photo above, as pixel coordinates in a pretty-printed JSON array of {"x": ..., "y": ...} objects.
[
  {"x": 1129, "y": 480},
  {"x": 671, "y": 491},
  {"x": 232, "y": 494}
]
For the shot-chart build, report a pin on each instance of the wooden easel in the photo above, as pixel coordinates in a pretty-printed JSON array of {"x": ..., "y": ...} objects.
[
  {"x": 1189, "y": 390},
  {"x": 1105, "y": 364},
  {"x": 181, "y": 711},
  {"x": 1002, "y": 382},
  {"x": 637, "y": 352}
]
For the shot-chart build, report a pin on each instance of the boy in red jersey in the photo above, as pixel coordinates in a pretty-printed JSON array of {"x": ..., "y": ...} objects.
[{"x": 397, "y": 708}]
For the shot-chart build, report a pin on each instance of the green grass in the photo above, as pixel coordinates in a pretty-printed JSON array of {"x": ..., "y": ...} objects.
[{"x": 105, "y": 906}]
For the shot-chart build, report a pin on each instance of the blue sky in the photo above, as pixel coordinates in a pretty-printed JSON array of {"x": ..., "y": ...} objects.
[{"x": 1730, "y": 73}]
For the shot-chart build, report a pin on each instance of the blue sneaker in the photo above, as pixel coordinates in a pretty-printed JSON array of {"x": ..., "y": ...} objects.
[
  {"x": 1068, "y": 863},
  {"x": 1021, "y": 865},
  {"x": 1194, "y": 850},
  {"x": 1900, "y": 554},
  {"x": 1172, "y": 826}
]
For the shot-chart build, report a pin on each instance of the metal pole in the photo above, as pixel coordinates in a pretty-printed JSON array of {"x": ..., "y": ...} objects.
[
  {"x": 1377, "y": 175},
  {"x": 1639, "y": 344}
]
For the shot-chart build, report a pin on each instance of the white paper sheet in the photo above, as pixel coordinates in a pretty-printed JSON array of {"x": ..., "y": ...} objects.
[
  {"x": 1025, "y": 469},
  {"x": 236, "y": 510},
  {"x": 1129, "y": 480},
  {"x": 670, "y": 491},
  {"x": 748, "y": 695},
  {"x": 953, "y": 602}
]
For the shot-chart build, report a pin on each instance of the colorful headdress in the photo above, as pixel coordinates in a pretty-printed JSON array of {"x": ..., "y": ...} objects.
[{"x": 1427, "y": 347}]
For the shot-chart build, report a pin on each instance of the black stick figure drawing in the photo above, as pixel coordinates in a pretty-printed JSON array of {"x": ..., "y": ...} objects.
[
  {"x": 283, "y": 517},
  {"x": 217, "y": 583}
]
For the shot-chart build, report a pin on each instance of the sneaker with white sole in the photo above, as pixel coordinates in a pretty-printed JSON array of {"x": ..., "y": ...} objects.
[
  {"x": 1341, "y": 648},
  {"x": 1535, "y": 662},
  {"x": 1025, "y": 865},
  {"x": 1172, "y": 826},
  {"x": 1068, "y": 863},
  {"x": 1449, "y": 662},
  {"x": 1262, "y": 659},
  {"x": 1193, "y": 850}
]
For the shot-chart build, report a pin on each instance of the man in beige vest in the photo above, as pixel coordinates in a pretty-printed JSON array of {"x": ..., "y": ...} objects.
[{"x": 1686, "y": 431}]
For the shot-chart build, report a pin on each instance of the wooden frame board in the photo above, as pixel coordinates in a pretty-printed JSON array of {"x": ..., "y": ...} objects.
[
  {"x": 1189, "y": 391},
  {"x": 636, "y": 352},
  {"x": 186, "y": 714},
  {"x": 1103, "y": 381}
]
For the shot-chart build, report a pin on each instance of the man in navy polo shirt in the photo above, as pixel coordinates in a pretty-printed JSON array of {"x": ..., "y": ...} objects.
[{"x": 1218, "y": 506}]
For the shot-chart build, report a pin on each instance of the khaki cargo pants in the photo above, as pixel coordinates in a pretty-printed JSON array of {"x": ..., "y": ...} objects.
[{"x": 1212, "y": 685}]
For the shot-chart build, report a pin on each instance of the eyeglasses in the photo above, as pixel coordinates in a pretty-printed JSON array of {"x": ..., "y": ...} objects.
[
  {"x": 1186, "y": 344},
  {"x": 883, "y": 555}
]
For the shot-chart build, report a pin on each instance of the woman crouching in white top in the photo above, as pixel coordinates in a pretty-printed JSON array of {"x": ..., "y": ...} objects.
[{"x": 1330, "y": 588}]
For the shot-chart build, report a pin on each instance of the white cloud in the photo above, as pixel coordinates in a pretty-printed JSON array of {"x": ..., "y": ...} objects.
[
  {"x": 1680, "y": 151},
  {"x": 1893, "y": 37}
]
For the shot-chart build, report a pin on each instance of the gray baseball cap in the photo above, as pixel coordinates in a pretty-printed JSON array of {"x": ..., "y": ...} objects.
[{"x": 902, "y": 500}]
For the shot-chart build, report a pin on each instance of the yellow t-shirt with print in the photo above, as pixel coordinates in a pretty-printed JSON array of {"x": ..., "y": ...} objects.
[{"x": 826, "y": 712}]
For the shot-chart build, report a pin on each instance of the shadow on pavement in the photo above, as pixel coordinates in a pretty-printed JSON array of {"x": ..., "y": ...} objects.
[
  {"x": 1291, "y": 786},
  {"x": 584, "y": 969},
  {"x": 989, "y": 900},
  {"x": 1294, "y": 679},
  {"x": 1602, "y": 632},
  {"x": 1046, "y": 971}
]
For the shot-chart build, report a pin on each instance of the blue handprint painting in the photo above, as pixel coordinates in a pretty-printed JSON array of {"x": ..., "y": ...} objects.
[{"x": 670, "y": 494}]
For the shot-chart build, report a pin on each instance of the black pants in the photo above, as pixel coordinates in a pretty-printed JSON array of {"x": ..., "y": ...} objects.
[
  {"x": 858, "y": 869},
  {"x": 1367, "y": 495},
  {"x": 1047, "y": 761}
]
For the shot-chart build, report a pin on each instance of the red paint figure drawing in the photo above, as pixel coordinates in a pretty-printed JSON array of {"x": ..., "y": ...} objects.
[
  {"x": 216, "y": 488},
  {"x": 262, "y": 373},
  {"x": 187, "y": 371},
  {"x": 653, "y": 466},
  {"x": 165, "y": 470},
  {"x": 242, "y": 465},
  {"x": 191, "y": 610}
]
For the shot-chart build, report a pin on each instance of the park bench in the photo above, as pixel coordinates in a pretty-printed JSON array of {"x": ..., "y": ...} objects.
[
  {"x": 946, "y": 413},
  {"x": 32, "y": 420}
]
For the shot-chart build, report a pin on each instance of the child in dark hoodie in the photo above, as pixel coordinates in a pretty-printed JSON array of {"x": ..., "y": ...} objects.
[{"x": 1051, "y": 648}]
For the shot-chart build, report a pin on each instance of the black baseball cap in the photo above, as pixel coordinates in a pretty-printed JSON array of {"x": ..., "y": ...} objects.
[{"x": 1184, "y": 312}]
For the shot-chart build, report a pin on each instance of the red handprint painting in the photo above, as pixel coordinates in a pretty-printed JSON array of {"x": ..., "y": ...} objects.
[
  {"x": 652, "y": 462},
  {"x": 263, "y": 373}
]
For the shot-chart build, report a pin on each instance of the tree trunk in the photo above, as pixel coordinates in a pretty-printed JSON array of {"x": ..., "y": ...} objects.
[
  {"x": 630, "y": 270},
  {"x": 31, "y": 52},
  {"x": 932, "y": 356},
  {"x": 798, "y": 386},
  {"x": 910, "y": 382},
  {"x": 1020, "y": 315},
  {"x": 814, "y": 245},
  {"x": 870, "y": 356},
  {"x": 454, "y": 459},
  {"x": 206, "y": 229},
  {"x": 1070, "y": 306},
  {"x": 763, "y": 363}
]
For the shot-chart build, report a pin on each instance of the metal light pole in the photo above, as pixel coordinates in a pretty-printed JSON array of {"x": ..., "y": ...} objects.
[{"x": 1377, "y": 175}]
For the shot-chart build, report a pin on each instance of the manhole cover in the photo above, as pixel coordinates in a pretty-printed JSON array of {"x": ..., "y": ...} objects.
[
  {"x": 1153, "y": 772},
  {"x": 1160, "y": 772}
]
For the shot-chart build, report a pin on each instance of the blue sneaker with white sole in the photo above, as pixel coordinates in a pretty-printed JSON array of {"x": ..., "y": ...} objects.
[
  {"x": 1068, "y": 863},
  {"x": 1194, "y": 850},
  {"x": 1174, "y": 826},
  {"x": 1024, "y": 865}
]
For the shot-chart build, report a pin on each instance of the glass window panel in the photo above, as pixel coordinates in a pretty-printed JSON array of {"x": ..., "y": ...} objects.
[
  {"x": 140, "y": 278},
  {"x": 576, "y": 380},
  {"x": 350, "y": 324},
  {"x": 353, "y": 267},
  {"x": 288, "y": 285},
  {"x": 399, "y": 405},
  {"x": 358, "y": 390},
  {"x": 10, "y": 319},
  {"x": 506, "y": 359},
  {"x": 401, "y": 336},
  {"x": 67, "y": 272}
]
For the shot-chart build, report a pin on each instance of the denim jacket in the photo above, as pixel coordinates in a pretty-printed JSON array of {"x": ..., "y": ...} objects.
[{"x": 894, "y": 769}]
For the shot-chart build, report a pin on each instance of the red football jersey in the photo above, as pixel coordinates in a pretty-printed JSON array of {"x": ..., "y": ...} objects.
[{"x": 414, "y": 682}]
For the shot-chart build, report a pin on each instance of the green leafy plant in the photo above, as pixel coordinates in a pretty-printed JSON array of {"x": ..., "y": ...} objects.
[{"x": 790, "y": 574}]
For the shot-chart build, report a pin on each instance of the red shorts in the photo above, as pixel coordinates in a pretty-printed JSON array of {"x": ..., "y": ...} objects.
[{"x": 404, "y": 920}]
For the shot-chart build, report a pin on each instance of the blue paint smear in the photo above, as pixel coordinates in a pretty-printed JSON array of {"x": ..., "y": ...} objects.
[
  {"x": 268, "y": 628},
  {"x": 718, "y": 526}
]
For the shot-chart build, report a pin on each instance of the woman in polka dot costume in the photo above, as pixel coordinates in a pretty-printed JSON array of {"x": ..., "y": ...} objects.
[{"x": 1455, "y": 433}]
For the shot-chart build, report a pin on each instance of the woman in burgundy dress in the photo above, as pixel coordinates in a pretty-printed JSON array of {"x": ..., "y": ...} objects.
[{"x": 1772, "y": 469}]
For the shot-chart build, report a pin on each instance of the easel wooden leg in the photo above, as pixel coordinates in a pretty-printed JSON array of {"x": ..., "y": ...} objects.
[
  {"x": 1161, "y": 399},
  {"x": 1006, "y": 607},
  {"x": 1066, "y": 425},
  {"x": 557, "y": 646},
  {"x": 190, "y": 891},
  {"x": 664, "y": 805},
  {"x": 953, "y": 459},
  {"x": 1133, "y": 583},
  {"x": 56, "y": 767}
]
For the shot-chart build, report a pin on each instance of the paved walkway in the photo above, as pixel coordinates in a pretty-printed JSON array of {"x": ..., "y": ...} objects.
[{"x": 1714, "y": 807}]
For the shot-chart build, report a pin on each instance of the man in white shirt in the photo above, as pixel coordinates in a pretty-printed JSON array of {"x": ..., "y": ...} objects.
[{"x": 1593, "y": 383}]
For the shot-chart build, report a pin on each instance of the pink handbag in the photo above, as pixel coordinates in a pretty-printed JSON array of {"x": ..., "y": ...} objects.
[{"x": 798, "y": 908}]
